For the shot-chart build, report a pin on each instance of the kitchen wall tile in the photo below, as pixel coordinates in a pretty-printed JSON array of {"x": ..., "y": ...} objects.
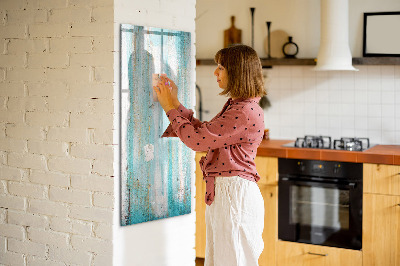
[
  {"x": 347, "y": 122},
  {"x": 322, "y": 121},
  {"x": 310, "y": 95},
  {"x": 397, "y": 94},
  {"x": 374, "y": 123},
  {"x": 374, "y": 84},
  {"x": 387, "y": 72},
  {"x": 308, "y": 72},
  {"x": 361, "y": 125},
  {"x": 388, "y": 97},
  {"x": 322, "y": 95},
  {"x": 335, "y": 122},
  {"x": 388, "y": 110},
  {"x": 285, "y": 72},
  {"x": 323, "y": 102},
  {"x": 360, "y": 133},
  {"x": 347, "y": 109},
  {"x": 361, "y": 110},
  {"x": 374, "y": 70},
  {"x": 374, "y": 110},
  {"x": 388, "y": 124},
  {"x": 335, "y": 95},
  {"x": 375, "y": 136},
  {"x": 348, "y": 95},
  {"x": 310, "y": 109},
  {"x": 397, "y": 123},
  {"x": 397, "y": 133},
  {"x": 297, "y": 72},
  {"x": 334, "y": 109},
  {"x": 374, "y": 97},
  {"x": 397, "y": 71},
  {"x": 361, "y": 97},
  {"x": 389, "y": 136},
  {"x": 322, "y": 109},
  {"x": 284, "y": 83},
  {"x": 348, "y": 132},
  {"x": 297, "y": 83},
  {"x": 388, "y": 84},
  {"x": 322, "y": 74}
]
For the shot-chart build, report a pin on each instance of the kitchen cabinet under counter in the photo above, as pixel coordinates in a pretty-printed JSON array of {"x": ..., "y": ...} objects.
[
  {"x": 381, "y": 215},
  {"x": 290, "y": 253}
]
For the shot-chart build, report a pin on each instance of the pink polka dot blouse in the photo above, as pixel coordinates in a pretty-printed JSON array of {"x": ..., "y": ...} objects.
[{"x": 231, "y": 139}]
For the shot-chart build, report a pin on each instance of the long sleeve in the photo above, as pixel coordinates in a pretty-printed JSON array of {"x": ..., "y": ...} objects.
[
  {"x": 224, "y": 130},
  {"x": 186, "y": 113}
]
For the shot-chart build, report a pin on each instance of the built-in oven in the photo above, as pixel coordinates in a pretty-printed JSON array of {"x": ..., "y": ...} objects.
[{"x": 320, "y": 202}]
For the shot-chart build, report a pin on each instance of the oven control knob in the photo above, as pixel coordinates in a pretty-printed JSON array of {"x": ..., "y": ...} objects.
[
  {"x": 336, "y": 169},
  {"x": 302, "y": 167}
]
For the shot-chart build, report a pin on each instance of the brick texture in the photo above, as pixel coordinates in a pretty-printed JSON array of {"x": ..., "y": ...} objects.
[{"x": 56, "y": 122}]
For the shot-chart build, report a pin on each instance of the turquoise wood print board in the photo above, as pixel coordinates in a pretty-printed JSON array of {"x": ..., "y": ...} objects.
[{"x": 155, "y": 172}]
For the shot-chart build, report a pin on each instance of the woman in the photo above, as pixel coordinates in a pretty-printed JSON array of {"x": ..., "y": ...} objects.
[{"x": 235, "y": 207}]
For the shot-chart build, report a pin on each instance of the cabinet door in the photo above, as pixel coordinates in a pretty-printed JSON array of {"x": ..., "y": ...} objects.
[
  {"x": 200, "y": 209},
  {"x": 381, "y": 179},
  {"x": 381, "y": 230},
  {"x": 297, "y": 254},
  {"x": 270, "y": 233},
  {"x": 267, "y": 168}
]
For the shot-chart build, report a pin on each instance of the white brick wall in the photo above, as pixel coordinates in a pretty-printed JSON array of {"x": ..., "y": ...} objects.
[{"x": 56, "y": 128}]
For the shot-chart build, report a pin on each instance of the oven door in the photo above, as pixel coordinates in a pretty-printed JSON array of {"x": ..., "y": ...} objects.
[{"x": 320, "y": 212}]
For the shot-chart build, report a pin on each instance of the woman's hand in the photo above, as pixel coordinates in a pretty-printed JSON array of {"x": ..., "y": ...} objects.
[
  {"x": 164, "y": 96},
  {"x": 174, "y": 90}
]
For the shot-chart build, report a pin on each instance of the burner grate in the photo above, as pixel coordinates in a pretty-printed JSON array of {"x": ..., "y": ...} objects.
[
  {"x": 351, "y": 144},
  {"x": 320, "y": 142}
]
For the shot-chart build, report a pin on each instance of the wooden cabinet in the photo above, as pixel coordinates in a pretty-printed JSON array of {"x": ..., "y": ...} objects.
[
  {"x": 381, "y": 230},
  {"x": 270, "y": 233},
  {"x": 381, "y": 179},
  {"x": 268, "y": 169},
  {"x": 290, "y": 253},
  {"x": 381, "y": 215},
  {"x": 200, "y": 209}
]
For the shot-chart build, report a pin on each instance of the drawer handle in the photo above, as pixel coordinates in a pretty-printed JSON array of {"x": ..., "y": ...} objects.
[{"x": 318, "y": 254}]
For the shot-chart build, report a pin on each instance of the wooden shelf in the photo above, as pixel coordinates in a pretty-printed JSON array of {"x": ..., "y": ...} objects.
[{"x": 312, "y": 61}]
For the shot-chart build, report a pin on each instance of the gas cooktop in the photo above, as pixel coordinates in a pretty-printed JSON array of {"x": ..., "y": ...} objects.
[{"x": 325, "y": 142}]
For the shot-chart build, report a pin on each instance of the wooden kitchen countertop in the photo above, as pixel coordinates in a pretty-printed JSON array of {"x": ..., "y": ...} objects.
[{"x": 379, "y": 154}]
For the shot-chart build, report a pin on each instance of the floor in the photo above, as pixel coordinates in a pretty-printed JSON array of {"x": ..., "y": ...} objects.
[{"x": 199, "y": 262}]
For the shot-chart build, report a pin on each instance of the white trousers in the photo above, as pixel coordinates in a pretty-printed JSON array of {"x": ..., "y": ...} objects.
[{"x": 234, "y": 223}]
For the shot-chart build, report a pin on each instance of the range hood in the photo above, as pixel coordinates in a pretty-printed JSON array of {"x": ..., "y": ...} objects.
[{"x": 334, "y": 51}]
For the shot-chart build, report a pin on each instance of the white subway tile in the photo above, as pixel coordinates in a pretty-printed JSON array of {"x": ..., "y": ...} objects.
[
  {"x": 388, "y": 110},
  {"x": 388, "y": 97},
  {"x": 388, "y": 124},
  {"x": 322, "y": 109},
  {"x": 322, "y": 95},
  {"x": 347, "y": 122},
  {"x": 374, "y": 124},
  {"x": 361, "y": 123},
  {"x": 347, "y": 109},
  {"x": 375, "y": 136},
  {"x": 374, "y": 97},
  {"x": 374, "y": 111},
  {"x": 322, "y": 121}
]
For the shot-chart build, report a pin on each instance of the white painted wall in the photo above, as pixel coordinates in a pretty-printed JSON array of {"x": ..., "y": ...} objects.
[
  {"x": 338, "y": 104},
  {"x": 168, "y": 241}
]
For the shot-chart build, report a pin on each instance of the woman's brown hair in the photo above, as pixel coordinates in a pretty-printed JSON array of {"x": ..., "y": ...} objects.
[{"x": 245, "y": 78}]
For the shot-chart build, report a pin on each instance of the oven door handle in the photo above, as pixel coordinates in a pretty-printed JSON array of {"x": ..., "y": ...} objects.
[{"x": 330, "y": 184}]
